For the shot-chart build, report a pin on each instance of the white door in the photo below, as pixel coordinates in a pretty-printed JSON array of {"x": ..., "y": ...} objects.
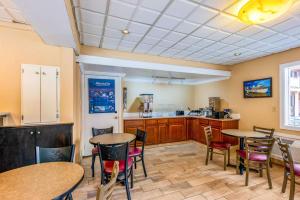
[
  {"x": 99, "y": 112},
  {"x": 49, "y": 94},
  {"x": 30, "y": 89}
]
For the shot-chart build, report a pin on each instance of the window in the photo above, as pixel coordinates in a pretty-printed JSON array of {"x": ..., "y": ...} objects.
[{"x": 290, "y": 96}]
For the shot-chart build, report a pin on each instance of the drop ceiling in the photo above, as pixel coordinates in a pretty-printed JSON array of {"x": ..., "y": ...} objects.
[
  {"x": 199, "y": 30},
  {"x": 9, "y": 12}
]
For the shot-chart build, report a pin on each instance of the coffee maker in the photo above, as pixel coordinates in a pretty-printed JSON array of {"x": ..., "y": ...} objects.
[{"x": 147, "y": 105}]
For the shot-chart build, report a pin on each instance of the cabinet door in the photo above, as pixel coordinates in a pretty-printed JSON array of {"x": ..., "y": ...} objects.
[
  {"x": 54, "y": 135},
  {"x": 176, "y": 132},
  {"x": 152, "y": 135},
  {"x": 130, "y": 129},
  {"x": 49, "y": 94},
  {"x": 17, "y": 148},
  {"x": 163, "y": 133},
  {"x": 30, "y": 94}
]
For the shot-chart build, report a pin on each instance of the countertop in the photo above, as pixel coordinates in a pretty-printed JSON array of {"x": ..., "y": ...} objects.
[{"x": 182, "y": 116}]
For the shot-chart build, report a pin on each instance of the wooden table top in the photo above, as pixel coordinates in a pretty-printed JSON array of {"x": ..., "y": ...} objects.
[
  {"x": 40, "y": 181},
  {"x": 242, "y": 133},
  {"x": 114, "y": 138}
]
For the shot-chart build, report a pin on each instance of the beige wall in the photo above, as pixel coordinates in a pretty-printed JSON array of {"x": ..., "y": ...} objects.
[
  {"x": 260, "y": 111},
  {"x": 166, "y": 97}
]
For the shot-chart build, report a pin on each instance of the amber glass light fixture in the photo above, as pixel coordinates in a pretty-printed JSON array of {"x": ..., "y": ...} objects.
[{"x": 260, "y": 11}]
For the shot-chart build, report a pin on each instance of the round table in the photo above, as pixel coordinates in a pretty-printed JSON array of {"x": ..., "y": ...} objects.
[
  {"x": 53, "y": 180},
  {"x": 112, "y": 138},
  {"x": 242, "y": 134}
]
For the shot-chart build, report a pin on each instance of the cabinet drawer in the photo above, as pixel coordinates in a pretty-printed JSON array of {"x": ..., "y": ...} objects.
[
  {"x": 215, "y": 123},
  {"x": 176, "y": 121},
  {"x": 151, "y": 122},
  {"x": 203, "y": 121},
  {"x": 134, "y": 122},
  {"x": 163, "y": 121}
]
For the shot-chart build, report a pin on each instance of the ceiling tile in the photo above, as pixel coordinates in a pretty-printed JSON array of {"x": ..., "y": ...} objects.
[
  {"x": 221, "y": 20},
  {"x": 202, "y": 15},
  {"x": 167, "y": 22},
  {"x": 191, "y": 40},
  {"x": 251, "y": 30},
  {"x": 133, "y": 37},
  {"x": 244, "y": 42},
  {"x": 180, "y": 8},
  {"x": 274, "y": 38},
  {"x": 157, "y": 32},
  {"x": 91, "y": 29},
  {"x": 150, "y": 40},
  {"x": 186, "y": 27},
  {"x": 89, "y": 17},
  {"x": 166, "y": 43},
  {"x": 232, "y": 39},
  {"x": 228, "y": 48},
  {"x": 109, "y": 40},
  {"x": 204, "y": 32},
  {"x": 142, "y": 48},
  {"x": 126, "y": 43},
  {"x": 138, "y": 28},
  {"x": 158, "y": 5},
  {"x": 113, "y": 33},
  {"x": 218, "y": 35},
  {"x": 116, "y": 23},
  {"x": 204, "y": 43},
  {"x": 180, "y": 46},
  {"x": 263, "y": 34},
  {"x": 90, "y": 40},
  {"x": 218, "y": 4},
  {"x": 93, "y": 5},
  {"x": 121, "y": 9},
  {"x": 170, "y": 52},
  {"x": 175, "y": 37},
  {"x": 234, "y": 26},
  {"x": 146, "y": 16},
  {"x": 288, "y": 24},
  {"x": 293, "y": 31},
  {"x": 157, "y": 50}
]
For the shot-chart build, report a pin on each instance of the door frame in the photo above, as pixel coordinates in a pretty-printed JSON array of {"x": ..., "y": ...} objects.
[{"x": 96, "y": 74}]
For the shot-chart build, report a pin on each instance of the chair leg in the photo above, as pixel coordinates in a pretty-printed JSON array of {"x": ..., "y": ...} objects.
[
  {"x": 292, "y": 188},
  {"x": 225, "y": 160},
  {"x": 93, "y": 165},
  {"x": 260, "y": 170},
  {"x": 246, "y": 164},
  {"x": 271, "y": 165},
  {"x": 127, "y": 187},
  {"x": 285, "y": 179},
  {"x": 237, "y": 163},
  {"x": 144, "y": 167},
  {"x": 211, "y": 153},
  {"x": 134, "y": 158},
  {"x": 131, "y": 177},
  {"x": 269, "y": 176},
  {"x": 207, "y": 156},
  {"x": 228, "y": 157}
]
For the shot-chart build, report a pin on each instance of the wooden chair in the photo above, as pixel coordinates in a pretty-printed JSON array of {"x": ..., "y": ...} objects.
[
  {"x": 108, "y": 154},
  {"x": 269, "y": 132},
  {"x": 223, "y": 147},
  {"x": 291, "y": 169},
  {"x": 104, "y": 192},
  {"x": 255, "y": 155},
  {"x": 138, "y": 152},
  {"x": 95, "y": 132}
]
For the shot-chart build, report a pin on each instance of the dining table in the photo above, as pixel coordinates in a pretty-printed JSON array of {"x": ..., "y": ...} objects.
[
  {"x": 112, "y": 138},
  {"x": 52, "y": 180},
  {"x": 242, "y": 134}
]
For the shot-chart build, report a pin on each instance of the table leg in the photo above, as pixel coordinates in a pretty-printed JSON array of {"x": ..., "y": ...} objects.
[{"x": 242, "y": 146}]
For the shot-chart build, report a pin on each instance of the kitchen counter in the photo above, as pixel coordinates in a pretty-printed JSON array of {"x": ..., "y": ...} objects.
[{"x": 182, "y": 116}]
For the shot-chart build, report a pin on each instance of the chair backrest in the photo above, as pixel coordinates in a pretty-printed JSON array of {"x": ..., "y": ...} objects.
[
  {"x": 208, "y": 135},
  {"x": 141, "y": 137},
  {"x": 101, "y": 131},
  {"x": 261, "y": 146},
  {"x": 286, "y": 156},
  {"x": 64, "y": 154},
  {"x": 104, "y": 192},
  {"x": 269, "y": 132}
]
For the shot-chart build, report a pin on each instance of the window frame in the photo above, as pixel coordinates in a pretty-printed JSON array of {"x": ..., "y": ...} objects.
[{"x": 284, "y": 101}]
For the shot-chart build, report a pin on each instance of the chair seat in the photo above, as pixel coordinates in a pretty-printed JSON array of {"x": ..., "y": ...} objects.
[
  {"x": 253, "y": 156},
  {"x": 95, "y": 150},
  {"x": 220, "y": 145},
  {"x": 296, "y": 169},
  {"x": 135, "y": 151},
  {"x": 109, "y": 165}
]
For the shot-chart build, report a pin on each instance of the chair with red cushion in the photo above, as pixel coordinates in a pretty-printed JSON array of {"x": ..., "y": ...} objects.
[
  {"x": 95, "y": 132},
  {"x": 291, "y": 169},
  {"x": 138, "y": 152},
  {"x": 222, "y": 147},
  {"x": 258, "y": 158},
  {"x": 108, "y": 154}
]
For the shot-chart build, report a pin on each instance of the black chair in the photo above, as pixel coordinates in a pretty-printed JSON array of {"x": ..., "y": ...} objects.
[
  {"x": 60, "y": 154},
  {"x": 95, "y": 132},
  {"x": 108, "y": 154},
  {"x": 138, "y": 152}
]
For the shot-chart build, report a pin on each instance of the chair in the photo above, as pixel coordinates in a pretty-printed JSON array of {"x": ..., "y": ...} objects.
[
  {"x": 65, "y": 154},
  {"x": 95, "y": 132},
  {"x": 291, "y": 169},
  {"x": 60, "y": 154},
  {"x": 116, "y": 152},
  {"x": 211, "y": 145},
  {"x": 138, "y": 152},
  {"x": 253, "y": 154},
  {"x": 269, "y": 132},
  {"x": 104, "y": 192}
]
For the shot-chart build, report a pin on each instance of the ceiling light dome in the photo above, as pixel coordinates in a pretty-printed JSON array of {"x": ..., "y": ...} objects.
[{"x": 260, "y": 11}]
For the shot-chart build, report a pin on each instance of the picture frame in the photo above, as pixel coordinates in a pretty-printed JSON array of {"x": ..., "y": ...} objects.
[{"x": 258, "y": 88}]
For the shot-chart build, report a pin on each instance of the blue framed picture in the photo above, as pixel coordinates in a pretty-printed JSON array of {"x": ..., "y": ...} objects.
[
  {"x": 101, "y": 95},
  {"x": 258, "y": 88}
]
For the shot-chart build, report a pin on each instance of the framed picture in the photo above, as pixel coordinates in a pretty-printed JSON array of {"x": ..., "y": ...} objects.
[{"x": 258, "y": 88}]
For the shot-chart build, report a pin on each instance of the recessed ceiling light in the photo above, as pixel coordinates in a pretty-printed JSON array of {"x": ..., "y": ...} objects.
[
  {"x": 237, "y": 54},
  {"x": 125, "y": 31}
]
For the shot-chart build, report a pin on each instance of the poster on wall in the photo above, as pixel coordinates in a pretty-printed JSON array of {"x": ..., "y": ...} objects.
[{"x": 101, "y": 95}]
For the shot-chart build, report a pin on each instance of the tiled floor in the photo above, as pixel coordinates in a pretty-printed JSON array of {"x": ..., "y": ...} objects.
[{"x": 176, "y": 171}]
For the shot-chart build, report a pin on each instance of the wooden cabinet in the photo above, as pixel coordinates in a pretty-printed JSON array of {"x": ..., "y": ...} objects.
[
  {"x": 177, "y": 129},
  {"x": 17, "y": 144},
  {"x": 130, "y": 126},
  {"x": 152, "y": 132},
  {"x": 163, "y": 130}
]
